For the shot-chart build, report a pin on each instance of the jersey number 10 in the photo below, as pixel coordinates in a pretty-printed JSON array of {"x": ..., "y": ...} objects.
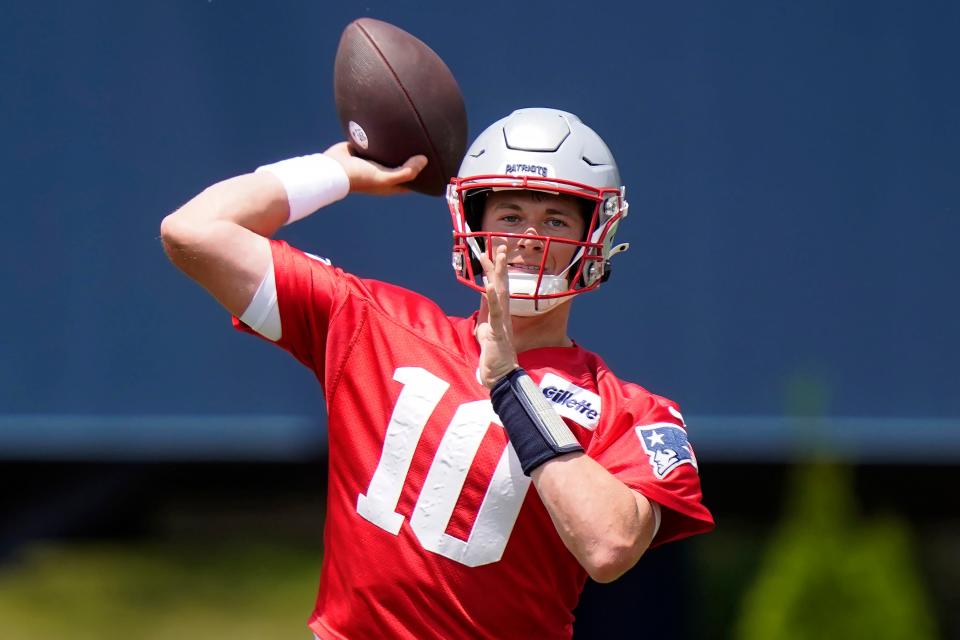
[{"x": 421, "y": 393}]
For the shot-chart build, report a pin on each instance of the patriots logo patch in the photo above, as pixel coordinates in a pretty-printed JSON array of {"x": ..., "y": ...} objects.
[{"x": 667, "y": 447}]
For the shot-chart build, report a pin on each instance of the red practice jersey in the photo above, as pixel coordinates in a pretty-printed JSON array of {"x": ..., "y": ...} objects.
[{"x": 432, "y": 529}]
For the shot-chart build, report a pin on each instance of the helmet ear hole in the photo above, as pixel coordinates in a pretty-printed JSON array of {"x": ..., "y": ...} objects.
[{"x": 590, "y": 275}]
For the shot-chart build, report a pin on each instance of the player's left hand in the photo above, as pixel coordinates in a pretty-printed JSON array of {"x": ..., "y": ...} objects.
[{"x": 495, "y": 334}]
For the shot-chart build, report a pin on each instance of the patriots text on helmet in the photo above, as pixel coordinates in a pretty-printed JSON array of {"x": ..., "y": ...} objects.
[{"x": 527, "y": 169}]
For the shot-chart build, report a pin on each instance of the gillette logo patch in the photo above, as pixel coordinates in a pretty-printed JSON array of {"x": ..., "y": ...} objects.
[{"x": 571, "y": 401}]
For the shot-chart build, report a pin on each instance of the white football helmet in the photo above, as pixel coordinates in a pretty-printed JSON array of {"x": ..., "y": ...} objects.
[{"x": 545, "y": 150}]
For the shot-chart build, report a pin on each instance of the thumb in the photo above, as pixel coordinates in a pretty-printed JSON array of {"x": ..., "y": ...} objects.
[
  {"x": 415, "y": 165},
  {"x": 405, "y": 172}
]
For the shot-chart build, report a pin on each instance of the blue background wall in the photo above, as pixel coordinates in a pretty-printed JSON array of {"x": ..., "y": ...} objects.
[{"x": 792, "y": 171}]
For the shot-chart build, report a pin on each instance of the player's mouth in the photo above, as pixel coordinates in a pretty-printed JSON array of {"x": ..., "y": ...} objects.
[
  {"x": 519, "y": 267},
  {"x": 524, "y": 268}
]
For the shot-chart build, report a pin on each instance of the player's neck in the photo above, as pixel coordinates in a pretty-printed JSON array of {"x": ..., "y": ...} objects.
[
  {"x": 546, "y": 330},
  {"x": 536, "y": 332}
]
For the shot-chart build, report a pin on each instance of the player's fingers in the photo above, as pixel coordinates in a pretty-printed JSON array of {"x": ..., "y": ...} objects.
[
  {"x": 500, "y": 270},
  {"x": 495, "y": 307},
  {"x": 496, "y": 288},
  {"x": 497, "y": 295},
  {"x": 390, "y": 176},
  {"x": 416, "y": 164},
  {"x": 502, "y": 285},
  {"x": 486, "y": 265}
]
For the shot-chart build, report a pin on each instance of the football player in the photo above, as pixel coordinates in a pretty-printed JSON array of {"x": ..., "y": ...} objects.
[{"x": 481, "y": 468}]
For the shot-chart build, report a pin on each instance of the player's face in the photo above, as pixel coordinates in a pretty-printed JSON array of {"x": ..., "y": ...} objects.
[{"x": 534, "y": 213}]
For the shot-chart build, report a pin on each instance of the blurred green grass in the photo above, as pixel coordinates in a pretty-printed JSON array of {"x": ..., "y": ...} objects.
[{"x": 159, "y": 590}]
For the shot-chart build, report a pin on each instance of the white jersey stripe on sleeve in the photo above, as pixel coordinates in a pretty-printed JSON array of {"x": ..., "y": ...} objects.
[{"x": 263, "y": 314}]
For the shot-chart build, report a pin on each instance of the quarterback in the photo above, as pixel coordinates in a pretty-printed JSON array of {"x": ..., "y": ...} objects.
[{"x": 481, "y": 468}]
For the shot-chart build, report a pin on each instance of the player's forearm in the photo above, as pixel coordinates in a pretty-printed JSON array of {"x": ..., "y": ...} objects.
[{"x": 600, "y": 519}]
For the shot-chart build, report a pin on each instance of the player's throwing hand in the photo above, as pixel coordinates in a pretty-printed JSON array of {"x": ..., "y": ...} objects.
[{"x": 367, "y": 176}]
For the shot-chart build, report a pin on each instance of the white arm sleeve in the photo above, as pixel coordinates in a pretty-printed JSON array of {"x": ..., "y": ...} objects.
[{"x": 263, "y": 314}]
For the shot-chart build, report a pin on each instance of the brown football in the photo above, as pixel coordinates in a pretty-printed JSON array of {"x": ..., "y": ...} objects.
[{"x": 396, "y": 98}]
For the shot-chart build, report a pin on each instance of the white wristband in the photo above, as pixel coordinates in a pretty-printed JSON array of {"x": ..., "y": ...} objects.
[{"x": 311, "y": 182}]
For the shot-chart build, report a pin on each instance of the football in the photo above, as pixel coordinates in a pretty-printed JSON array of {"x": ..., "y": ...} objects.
[{"x": 396, "y": 98}]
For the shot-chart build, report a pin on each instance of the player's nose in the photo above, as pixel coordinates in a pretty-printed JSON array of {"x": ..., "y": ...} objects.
[{"x": 530, "y": 240}]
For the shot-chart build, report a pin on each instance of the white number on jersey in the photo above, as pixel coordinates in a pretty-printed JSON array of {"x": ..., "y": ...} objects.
[{"x": 421, "y": 393}]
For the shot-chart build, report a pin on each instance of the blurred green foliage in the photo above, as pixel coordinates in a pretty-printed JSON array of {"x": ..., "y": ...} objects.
[
  {"x": 829, "y": 574},
  {"x": 156, "y": 591}
]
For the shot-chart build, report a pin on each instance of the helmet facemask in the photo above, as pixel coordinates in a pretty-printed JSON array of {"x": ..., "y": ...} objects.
[
  {"x": 535, "y": 293},
  {"x": 551, "y": 152}
]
